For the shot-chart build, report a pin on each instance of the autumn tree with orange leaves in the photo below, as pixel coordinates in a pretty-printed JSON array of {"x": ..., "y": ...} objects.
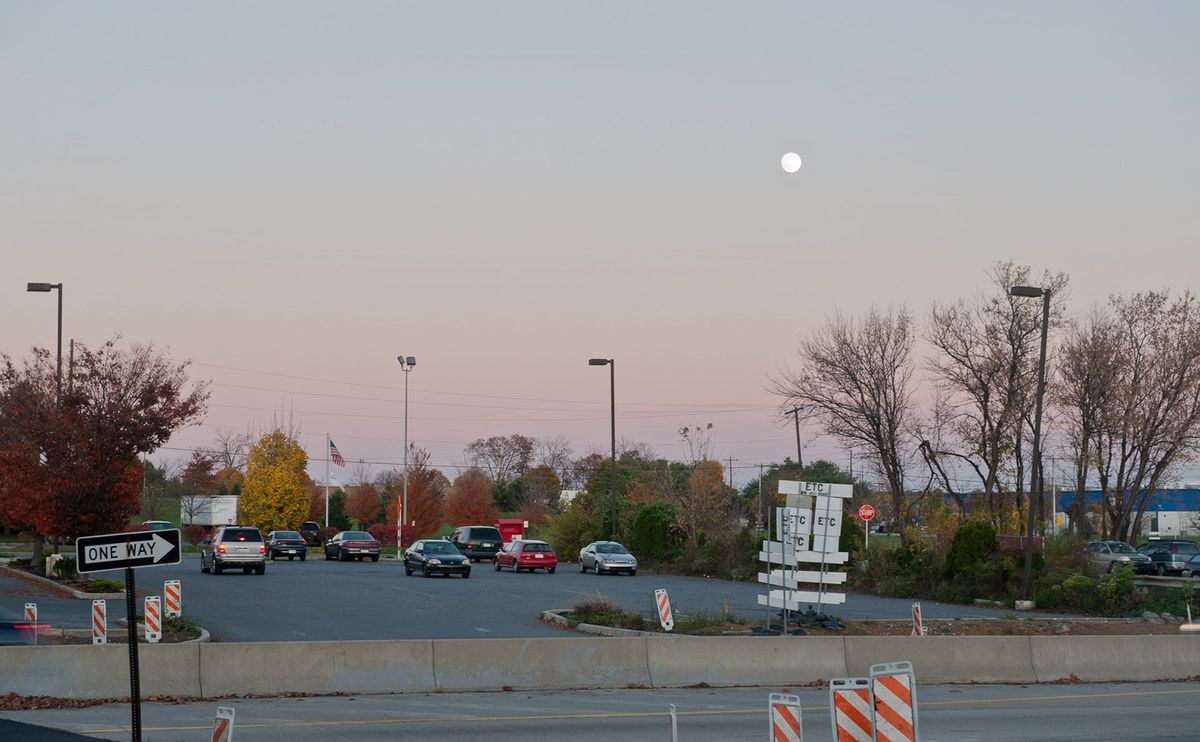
[
  {"x": 470, "y": 501},
  {"x": 427, "y": 494}
]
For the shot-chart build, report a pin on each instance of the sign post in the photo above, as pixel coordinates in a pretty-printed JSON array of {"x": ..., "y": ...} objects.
[
  {"x": 867, "y": 513},
  {"x": 129, "y": 551},
  {"x": 31, "y": 619}
]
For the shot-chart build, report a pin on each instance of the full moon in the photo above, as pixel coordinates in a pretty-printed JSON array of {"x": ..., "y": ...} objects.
[{"x": 790, "y": 162}]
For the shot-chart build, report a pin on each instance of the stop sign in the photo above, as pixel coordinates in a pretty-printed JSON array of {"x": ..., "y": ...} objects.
[{"x": 866, "y": 512}]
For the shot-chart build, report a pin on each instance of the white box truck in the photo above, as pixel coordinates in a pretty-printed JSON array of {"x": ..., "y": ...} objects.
[{"x": 219, "y": 510}]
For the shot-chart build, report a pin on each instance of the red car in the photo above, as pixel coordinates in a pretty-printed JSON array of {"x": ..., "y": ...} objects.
[{"x": 528, "y": 555}]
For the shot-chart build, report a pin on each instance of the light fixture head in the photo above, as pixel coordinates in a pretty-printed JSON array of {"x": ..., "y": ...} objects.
[
  {"x": 598, "y": 361},
  {"x": 38, "y": 286},
  {"x": 1030, "y": 291},
  {"x": 406, "y": 361}
]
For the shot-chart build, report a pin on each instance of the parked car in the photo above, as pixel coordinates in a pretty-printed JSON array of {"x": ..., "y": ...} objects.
[
  {"x": 286, "y": 543},
  {"x": 311, "y": 531},
  {"x": 1192, "y": 568},
  {"x": 1107, "y": 554},
  {"x": 477, "y": 542},
  {"x": 234, "y": 546},
  {"x": 352, "y": 545},
  {"x": 607, "y": 556},
  {"x": 435, "y": 556},
  {"x": 158, "y": 525},
  {"x": 1169, "y": 556},
  {"x": 528, "y": 555}
]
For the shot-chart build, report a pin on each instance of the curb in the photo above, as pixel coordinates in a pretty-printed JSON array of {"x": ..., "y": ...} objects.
[
  {"x": 555, "y": 616},
  {"x": 77, "y": 594}
]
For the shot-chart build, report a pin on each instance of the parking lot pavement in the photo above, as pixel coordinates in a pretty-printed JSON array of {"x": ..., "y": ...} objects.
[
  {"x": 1148, "y": 712},
  {"x": 323, "y": 600}
]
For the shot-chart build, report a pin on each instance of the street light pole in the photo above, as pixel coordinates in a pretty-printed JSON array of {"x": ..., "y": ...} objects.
[
  {"x": 42, "y": 288},
  {"x": 612, "y": 391},
  {"x": 1032, "y": 292},
  {"x": 406, "y": 364}
]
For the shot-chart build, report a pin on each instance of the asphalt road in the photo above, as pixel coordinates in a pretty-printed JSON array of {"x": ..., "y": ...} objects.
[
  {"x": 320, "y": 600},
  {"x": 1150, "y": 712}
]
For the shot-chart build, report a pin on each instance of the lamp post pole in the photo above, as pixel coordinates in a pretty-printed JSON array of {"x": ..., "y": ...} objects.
[
  {"x": 406, "y": 364},
  {"x": 1031, "y": 291},
  {"x": 42, "y": 288},
  {"x": 612, "y": 391}
]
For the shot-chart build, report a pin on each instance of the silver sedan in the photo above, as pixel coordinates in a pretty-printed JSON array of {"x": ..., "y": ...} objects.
[{"x": 606, "y": 556}]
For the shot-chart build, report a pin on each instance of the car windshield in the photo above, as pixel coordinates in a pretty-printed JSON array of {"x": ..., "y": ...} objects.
[
  {"x": 440, "y": 547},
  {"x": 241, "y": 534},
  {"x": 610, "y": 549},
  {"x": 357, "y": 536},
  {"x": 538, "y": 547},
  {"x": 287, "y": 534},
  {"x": 1120, "y": 547}
]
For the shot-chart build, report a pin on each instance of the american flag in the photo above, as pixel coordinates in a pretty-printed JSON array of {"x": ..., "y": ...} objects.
[{"x": 335, "y": 454}]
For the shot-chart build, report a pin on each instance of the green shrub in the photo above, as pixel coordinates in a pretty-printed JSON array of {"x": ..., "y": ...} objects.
[
  {"x": 64, "y": 569},
  {"x": 107, "y": 586},
  {"x": 650, "y": 538},
  {"x": 974, "y": 545},
  {"x": 1174, "y": 601},
  {"x": 1117, "y": 592}
]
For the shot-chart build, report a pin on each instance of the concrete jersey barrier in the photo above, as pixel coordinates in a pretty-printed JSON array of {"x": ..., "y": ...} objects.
[{"x": 422, "y": 666}]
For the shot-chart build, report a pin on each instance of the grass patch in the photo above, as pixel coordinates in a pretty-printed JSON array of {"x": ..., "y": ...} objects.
[
  {"x": 107, "y": 586},
  {"x": 707, "y": 623},
  {"x": 604, "y": 611}
]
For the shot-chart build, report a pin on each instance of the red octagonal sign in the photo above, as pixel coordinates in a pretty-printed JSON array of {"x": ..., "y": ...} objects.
[{"x": 866, "y": 512}]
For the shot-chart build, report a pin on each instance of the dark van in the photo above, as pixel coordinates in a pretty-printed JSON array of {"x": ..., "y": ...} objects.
[{"x": 477, "y": 542}]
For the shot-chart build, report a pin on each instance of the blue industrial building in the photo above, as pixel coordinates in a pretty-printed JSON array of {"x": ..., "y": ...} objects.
[{"x": 1169, "y": 512}]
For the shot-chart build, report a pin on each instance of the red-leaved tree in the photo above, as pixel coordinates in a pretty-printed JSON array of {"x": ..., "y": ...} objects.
[
  {"x": 70, "y": 468},
  {"x": 427, "y": 489},
  {"x": 470, "y": 501}
]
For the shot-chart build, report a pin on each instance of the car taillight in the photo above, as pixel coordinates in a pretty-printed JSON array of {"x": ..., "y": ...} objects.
[
  {"x": 262, "y": 549},
  {"x": 470, "y": 544},
  {"x": 220, "y": 548}
]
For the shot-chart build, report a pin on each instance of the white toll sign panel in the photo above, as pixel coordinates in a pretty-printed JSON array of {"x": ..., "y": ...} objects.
[{"x": 793, "y": 526}]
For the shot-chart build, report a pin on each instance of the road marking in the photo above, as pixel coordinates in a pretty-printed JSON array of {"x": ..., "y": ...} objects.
[{"x": 636, "y": 714}]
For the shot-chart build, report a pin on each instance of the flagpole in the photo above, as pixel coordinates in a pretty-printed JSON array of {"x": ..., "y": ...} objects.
[{"x": 327, "y": 445}]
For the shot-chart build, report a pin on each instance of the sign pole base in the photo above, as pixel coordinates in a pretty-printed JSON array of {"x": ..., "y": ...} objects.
[{"x": 135, "y": 691}]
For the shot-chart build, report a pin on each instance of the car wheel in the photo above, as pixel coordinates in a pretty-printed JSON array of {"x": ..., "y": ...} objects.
[
  {"x": 407, "y": 570},
  {"x": 247, "y": 570},
  {"x": 375, "y": 558},
  {"x": 302, "y": 557},
  {"x": 216, "y": 568},
  {"x": 1110, "y": 567},
  {"x": 291, "y": 557},
  {"x": 203, "y": 569},
  {"x": 599, "y": 569},
  {"x": 582, "y": 567},
  {"x": 466, "y": 574},
  {"x": 551, "y": 569},
  {"x": 1162, "y": 570},
  {"x": 496, "y": 564},
  {"x": 633, "y": 573},
  {"x": 260, "y": 569},
  {"x": 426, "y": 572}
]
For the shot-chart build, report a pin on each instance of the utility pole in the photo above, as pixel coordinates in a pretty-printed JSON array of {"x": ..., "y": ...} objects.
[
  {"x": 731, "y": 460},
  {"x": 799, "y": 450}
]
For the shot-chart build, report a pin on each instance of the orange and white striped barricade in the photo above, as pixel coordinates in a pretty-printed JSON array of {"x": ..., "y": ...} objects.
[
  {"x": 664, "y": 609},
  {"x": 173, "y": 598},
  {"x": 222, "y": 730},
  {"x": 153, "y": 615},
  {"x": 894, "y": 701},
  {"x": 918, "y": 628},
  {"x": 99, "y": 622},
  {"x": 785, "y": 719},
  {"x": 31, "y": 619},
  {"x": 850, "y": 710}
]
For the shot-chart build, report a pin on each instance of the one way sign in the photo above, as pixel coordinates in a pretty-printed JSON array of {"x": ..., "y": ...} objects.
[{"x": 121, "y": 550}]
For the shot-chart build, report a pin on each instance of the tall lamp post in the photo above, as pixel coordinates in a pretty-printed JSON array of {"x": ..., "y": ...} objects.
[
  {"x": 1033, "y": 292},
  {"x": 406, "y": 364},
  {"x": 612, "y": 390},
  {"x": 43, "y": 288}
]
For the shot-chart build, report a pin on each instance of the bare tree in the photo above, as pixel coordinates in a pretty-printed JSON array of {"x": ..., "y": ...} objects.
[
  {"x": 1153, "y": 421},
  {"x": 856, "y": 379},
  {"x": 697, "y": 443},
  {"x": 986, "y": 372},
  {"x": 1084, "y": 389},
  {"x": 230, "y": 449},
  {"x": 555, "y": 452},
  {"x": 503, "y": 457}
]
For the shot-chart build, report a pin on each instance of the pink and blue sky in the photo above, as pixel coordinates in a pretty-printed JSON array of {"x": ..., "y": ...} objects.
[{"x": 504, "y": 190}]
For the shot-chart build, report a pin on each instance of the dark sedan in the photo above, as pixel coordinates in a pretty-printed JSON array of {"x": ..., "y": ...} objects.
[
  {"x": 436, "y": 557},
  {"x": 288, "y": 544},
  {"x": 352, "y": 545}
]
